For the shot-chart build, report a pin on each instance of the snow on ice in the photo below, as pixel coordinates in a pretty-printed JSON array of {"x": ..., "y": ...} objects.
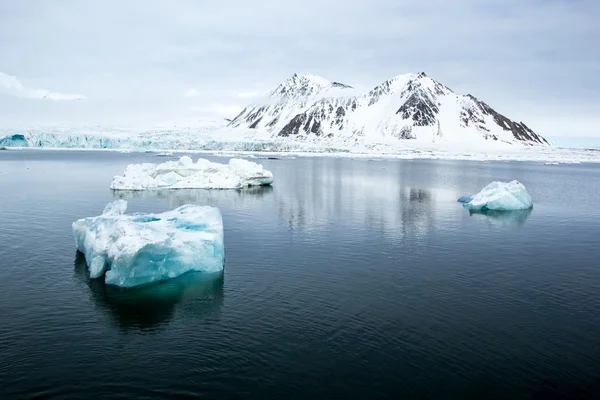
[
  {"x": 138, "y": 249},
  {"x": 185, "y": 174}
]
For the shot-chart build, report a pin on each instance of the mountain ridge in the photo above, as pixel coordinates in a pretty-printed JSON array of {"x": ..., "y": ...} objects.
[{"x": 411, "y": 106}]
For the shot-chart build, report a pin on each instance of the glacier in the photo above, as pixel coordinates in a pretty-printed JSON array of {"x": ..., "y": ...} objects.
[
  {"x": 246, "y": 143},
  {"x": 499, "y": 196},
  {"x": 185, "y": 174},
  {"x": 139, "y": 249}
]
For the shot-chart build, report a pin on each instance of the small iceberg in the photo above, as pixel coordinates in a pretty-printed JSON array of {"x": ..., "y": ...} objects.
[
  {"x": 499, "y": 196},
  {"x": 185, "y": 174},
  {"x": 138, "y": 249}
]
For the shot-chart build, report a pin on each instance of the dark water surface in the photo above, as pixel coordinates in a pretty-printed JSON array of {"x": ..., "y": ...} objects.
[{"x": 347, "y": 279}]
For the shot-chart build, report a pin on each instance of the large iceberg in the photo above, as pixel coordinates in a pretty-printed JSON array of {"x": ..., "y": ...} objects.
[
  {"x": 185, "y": 174},
  {"x": 137, "y": 249},
  {"x": 499, "y": 196}
]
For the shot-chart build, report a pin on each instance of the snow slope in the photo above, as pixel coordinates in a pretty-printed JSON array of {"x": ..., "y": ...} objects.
[{"x": 413, "y": 107}]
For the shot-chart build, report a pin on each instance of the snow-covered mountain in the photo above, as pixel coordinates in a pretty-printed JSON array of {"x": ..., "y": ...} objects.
[{"x": 407, "y": 107}]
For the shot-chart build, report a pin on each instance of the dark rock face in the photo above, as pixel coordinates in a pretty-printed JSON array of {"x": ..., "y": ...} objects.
[
  {"x": 519, "y": 130},
  {"x": 294, "y": 126},
  {"x": 325, "y": 111},
  {"x": 420, "y": 108},
  {"x": 380, "y": 90},
  {"x": 341, "y": 85}
]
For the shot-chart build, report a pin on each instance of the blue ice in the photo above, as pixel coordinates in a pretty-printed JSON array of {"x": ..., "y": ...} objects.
[
  {"x": 138, "y": 249},
  {"x": 499, "y": 196}
]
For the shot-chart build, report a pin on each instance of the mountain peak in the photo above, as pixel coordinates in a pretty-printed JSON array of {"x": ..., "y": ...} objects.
[
  {"x": 407, "y": 106},
  {"x": 306, "y": 84}
]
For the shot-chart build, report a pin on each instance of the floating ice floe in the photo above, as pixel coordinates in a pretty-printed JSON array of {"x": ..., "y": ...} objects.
[
  {"x": 499, "y": 196},
  {"x": 185, "y": 174},
  {"x": 138, "y": 249}
]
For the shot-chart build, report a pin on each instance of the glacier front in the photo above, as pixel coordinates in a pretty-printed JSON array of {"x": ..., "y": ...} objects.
[
  {"x": 499, "y": 196},
  {"x": 185, "y": 174},
  {"x": 138, "y": 249}
]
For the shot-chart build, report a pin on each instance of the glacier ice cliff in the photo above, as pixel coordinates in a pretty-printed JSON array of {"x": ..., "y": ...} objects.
[
  {"x": 138, "y": 249},
  {"x": 185, "y": 174},
  {"x": 499, "y": 196}
]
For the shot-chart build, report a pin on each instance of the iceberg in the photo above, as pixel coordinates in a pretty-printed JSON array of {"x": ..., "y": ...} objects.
[
  {"x": 138, "y": 249},
  {"x": 185, "y": 174},
  {"x": 499, "y": 196}
]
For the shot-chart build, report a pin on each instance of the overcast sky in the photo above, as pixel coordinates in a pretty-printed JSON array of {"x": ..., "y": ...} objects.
[{"x": 146, "y": 62}]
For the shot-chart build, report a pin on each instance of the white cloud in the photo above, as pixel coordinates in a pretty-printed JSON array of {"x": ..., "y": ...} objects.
[
  {"x": 192, "y": 93},
  {"x": 10, "y": 85}
]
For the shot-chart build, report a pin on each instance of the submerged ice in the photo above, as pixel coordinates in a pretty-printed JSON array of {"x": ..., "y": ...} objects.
[
  {"x": 137, "y": 249},
  {"x": 499, "y": 196},
  {"x": 185, "y": 174}
]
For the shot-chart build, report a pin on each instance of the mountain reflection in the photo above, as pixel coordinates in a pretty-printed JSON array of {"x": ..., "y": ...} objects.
[
  {"x": 149, "y": 308},
  {"x": 357, "y": 194}
]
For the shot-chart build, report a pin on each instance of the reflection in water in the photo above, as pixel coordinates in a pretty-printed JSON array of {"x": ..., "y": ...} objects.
[
  {"x": 503, "y": 219},
  {"x": 217, "y": 197},
  {"x": 149, "y": 307},
  {"x": 397, "y": 200},
  {"x": 326, "y": 193},
  {"x": 416, "y": 211}
]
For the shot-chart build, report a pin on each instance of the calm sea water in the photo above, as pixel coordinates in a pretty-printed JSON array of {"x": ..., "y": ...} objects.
[{"x": 346, "y": 279}]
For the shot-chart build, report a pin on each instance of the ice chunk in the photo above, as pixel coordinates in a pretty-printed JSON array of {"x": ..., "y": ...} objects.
[
  {"x": 137, "y": 249},
  {"x": 185, "y": 174},
  {"x": 117, "y": 207},
  {"x": 499, "y": 196},
  {"x": 16, "y": 140}
]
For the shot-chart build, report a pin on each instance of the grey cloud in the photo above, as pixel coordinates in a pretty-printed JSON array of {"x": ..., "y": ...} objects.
[{"x": 523, "y": 57}]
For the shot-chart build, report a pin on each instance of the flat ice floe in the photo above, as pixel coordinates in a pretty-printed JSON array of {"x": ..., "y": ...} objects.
[
  {"x": 138, "y": 249},
  {"x": 499, "y": 196},
  {"x": 185, "y": 174}
]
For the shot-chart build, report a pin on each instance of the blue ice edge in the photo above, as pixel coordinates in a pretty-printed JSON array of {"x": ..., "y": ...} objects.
[
  {"x": 465, "y": 199},
  {"x": 132, "y": 250},
  {"x": 499, "y": 197}
]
